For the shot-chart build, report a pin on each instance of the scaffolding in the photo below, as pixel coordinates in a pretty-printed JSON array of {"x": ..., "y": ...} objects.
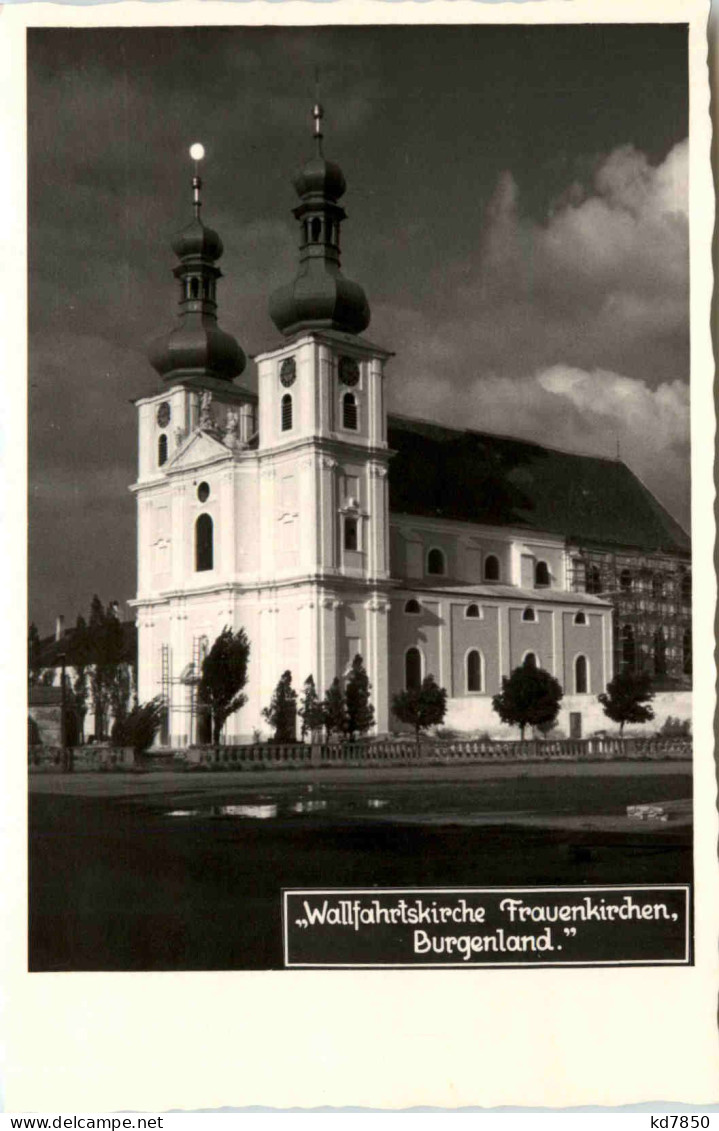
[
  {"x": 185, "y": 720},
  {"x": 651, "y": 595}
]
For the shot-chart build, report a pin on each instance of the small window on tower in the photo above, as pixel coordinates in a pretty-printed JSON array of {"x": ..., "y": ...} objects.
[
  {"x": 349, "y": 412},
  {"x": 541, "y": 575},
  {"x": 194, "y": 288},
  {"x": 316, "y": 229},
  {"x": 491, "y": 568},
  {"x": 162, "y": 450},
  {"x": 436, "y": 562},
  {"x": 287, "y": 413}
]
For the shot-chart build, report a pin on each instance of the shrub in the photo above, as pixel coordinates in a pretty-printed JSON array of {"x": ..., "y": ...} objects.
[
  {"x": 138, "y": 729},
  {"x": 675, "y": 728}
]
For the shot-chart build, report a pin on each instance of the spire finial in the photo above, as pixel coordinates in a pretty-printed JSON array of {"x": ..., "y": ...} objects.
[
  {"x": 197, "y": 152},
  {"x": 317, "y": 113}
]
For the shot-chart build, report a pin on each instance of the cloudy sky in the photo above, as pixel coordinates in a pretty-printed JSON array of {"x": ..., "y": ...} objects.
[{"x": 518, "y": 219}]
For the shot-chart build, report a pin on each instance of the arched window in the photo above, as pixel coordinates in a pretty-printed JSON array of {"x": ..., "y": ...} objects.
[
  {"x": 660, "y": 653},
  {"x": 349, "y": 412},
  {"x": 541, "y": 575},
  {"x": 286, "y": 413},
  {"x": 581, "y": 680},
  {"x": 687, "y": 587},
  {"x": 412, "y": 607},
  {"x": 194, "y": 288},
  {"x": 435, "y": 561},
  {"x": 491, "y": 568},
  {"x": 687, "y": 652},
  {"x": 529, "y": 615},
  {"x": 628, "y": 649},
  {"x": 350, "y": 538},
  {"x": 625, "y": 580},
  {"x": 203, "y": 543},
  {"x": 316, "y": 229},
  {"x": 594, "y": 580},
  {"x": 413, "y": 669},
  {"x": 162, "y": 449},
  {"x": 657, "y": 586},
  {"x": 206, "y": 288},
  {"x": 580, "y": 618},
  {"x": 530, "y": 660},
  {"x": 474, "y": 671},
  {"x": 472, "y": 611}
]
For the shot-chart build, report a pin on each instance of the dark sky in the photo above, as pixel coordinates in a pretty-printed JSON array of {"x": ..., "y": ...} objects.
[{"x": 517, "y": 217}]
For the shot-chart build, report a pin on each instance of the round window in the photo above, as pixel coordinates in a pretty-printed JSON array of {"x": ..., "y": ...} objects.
[
  {"x": 163, "y": 414},
  {"x": 203, "y": 492}
]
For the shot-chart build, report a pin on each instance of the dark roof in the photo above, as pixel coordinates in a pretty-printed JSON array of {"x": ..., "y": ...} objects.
[
  {"x": 501, "y": 481},
  {"x": 50, "y": 648}
]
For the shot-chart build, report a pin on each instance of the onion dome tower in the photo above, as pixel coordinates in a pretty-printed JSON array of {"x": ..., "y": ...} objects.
[
  {"x": 320, "y": 297},
  {"x": 197, "y": 347}
]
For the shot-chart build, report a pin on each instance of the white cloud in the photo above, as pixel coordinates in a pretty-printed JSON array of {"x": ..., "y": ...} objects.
[{"x": 573, "y": 332}]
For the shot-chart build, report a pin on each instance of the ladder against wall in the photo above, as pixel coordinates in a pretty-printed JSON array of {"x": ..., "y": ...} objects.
[{"x": 165, "y": 692}]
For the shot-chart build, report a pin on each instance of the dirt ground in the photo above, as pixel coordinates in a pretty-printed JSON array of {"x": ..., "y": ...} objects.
[{"x": 167, "y": 871}]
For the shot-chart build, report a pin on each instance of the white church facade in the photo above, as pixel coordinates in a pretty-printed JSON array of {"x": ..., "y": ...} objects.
[{"x": 325, "y": 528}]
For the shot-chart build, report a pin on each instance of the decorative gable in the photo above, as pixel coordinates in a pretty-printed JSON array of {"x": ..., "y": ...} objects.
[{"x": 199, "y": 449}]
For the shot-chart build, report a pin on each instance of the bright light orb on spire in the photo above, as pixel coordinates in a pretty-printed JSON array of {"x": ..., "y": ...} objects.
[{"x": 197, "y": 151}]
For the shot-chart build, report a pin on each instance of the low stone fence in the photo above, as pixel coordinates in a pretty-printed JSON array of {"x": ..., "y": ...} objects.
[
  {"x": 406, "y": 752},
  {"x": 83, "y": 757},
  {"x": 390, "y": 752}
]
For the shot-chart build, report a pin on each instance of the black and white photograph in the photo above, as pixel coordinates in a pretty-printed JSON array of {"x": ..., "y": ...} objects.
[{"x": 359, "y": 539}]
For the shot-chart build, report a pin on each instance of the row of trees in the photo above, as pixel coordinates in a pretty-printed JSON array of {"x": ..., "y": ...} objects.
[
  {"x": 345, "y": 711},
  {"x": 530, "y": 696}
]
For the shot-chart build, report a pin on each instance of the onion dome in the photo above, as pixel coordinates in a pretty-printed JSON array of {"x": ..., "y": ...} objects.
[
  {"x": 197, "y": 346},
  {"x": 320, "y": 178},
  {"x": 197, "y": 240},
  {"x": 320, "y": 297}
]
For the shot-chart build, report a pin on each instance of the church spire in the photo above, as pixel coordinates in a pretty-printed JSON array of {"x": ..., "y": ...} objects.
[
  {"x": 320, "y": 297},
  {"x": 197, "y": 347}
]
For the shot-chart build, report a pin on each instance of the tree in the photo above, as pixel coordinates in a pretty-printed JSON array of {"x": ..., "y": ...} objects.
[
  {"x": 334, "y": 709},
  {"x": 105, "y": 647},
  {"x": 282, "y": 711},
  {"x": 360, "y": 712},
  {"x": 627, "y": 697},
  {"x": 530, "y": 696},
  {"x": 80, "y": 658},
  {"x": 138, "y": 728},
  {"x": 310, "y": 710},
  {"x": 421, "y": 707},
  {"x": 224, "y": 674}
]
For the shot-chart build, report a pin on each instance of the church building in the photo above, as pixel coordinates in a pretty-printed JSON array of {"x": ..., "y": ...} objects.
[{"x": 305, "y": 515}]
